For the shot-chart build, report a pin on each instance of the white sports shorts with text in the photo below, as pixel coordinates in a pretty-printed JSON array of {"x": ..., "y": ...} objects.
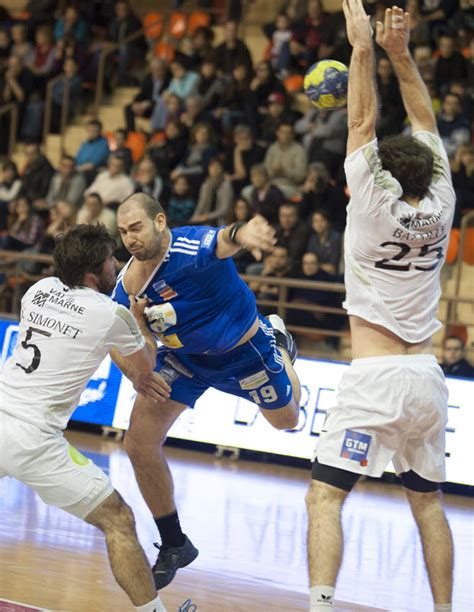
[
  {"x": 47, "y": 463},
  {"x": 388, "y": 409}
]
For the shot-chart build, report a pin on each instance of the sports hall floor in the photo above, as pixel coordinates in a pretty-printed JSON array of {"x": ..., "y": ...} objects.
[{"x": 248, "y": 519}]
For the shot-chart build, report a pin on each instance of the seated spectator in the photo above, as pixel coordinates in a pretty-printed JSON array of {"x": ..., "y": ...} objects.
[
  {"x": 237, "y": 103},
  {"x": 71, "y": 24},
  {"x": 285, "y": 161},
  {"x": 454, "y": 362},
  {"x": 168, "y": 152},
  {"x": 241, "y": 211},
  {"x": 291, "y": 232},
  {"x": 193, "y": 112},
  {"x": 424, "y": 60},
  {"x": 122, "y": 25},
  {"x": 197, "y": 156},
  {"x": 435, "y": 13},
  {"x": 26, "y": 227},
  {"x": 170, "y": 106},
  {"x": 69, "y": 48},
  {"x": 151, "y": 90},
  {"x": 281, "y": 36},
  {"x": 5, "y": 47},
  {"x": 215, "y": 197},
  {"x": 113, "y": 185},
  {"x": 391, "y": 111},
  {"x": 453, "y": 126},
  {"x": 419, "y": 28},
  {"x": 181, "y": 203},
  {"x": 21, "y": 46},
  {"x": 10, "y": 185},
  {"x": 450, "y": 65},
  {"x": 37, "y": 174},
  {"x": 277, "y": 264},
  {"x": 276, "y": 113},
  {"x": 211, "y": 84},
  {"x": 41, "y": 58},
  {"x": 72, "y": 80},
  {"x": 320, "y": 191},
  {"x": 16, "y": 85},
  {"x": 241, "y": 156},
  {"x": 232, "y": 51},
  {"x": 66, "y": 185},
  {"x": 462, "y": 170},
  {"x": 147, "y": 179},
  {"x": 183, "y": 82},
  {"x": 94, "y": 211},
  {"x": 203, "y": 38},
  {"x": 62, "y": 217},
  {"x": 122, "y": 151},
  {"x": 311, "y": 270},
  {"x": 93, "y": 152},
  {"x": 326, "y": 135},
  {"x": 265, "y": 83},
  {"x": 265, "y": 198},
  {"x": 325, "y": 242}
]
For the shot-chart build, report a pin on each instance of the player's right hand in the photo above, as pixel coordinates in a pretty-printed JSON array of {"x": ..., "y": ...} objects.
[
  {"x": 257, "y": 236},
  {"x": 153, "y": 386},
  {"x": 394, "y": 34}
]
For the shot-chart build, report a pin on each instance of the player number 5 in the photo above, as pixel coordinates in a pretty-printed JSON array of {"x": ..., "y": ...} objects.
[{"x": 26, "y": 344}]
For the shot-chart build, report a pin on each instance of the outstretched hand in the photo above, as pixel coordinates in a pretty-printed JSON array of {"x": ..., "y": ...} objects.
[
  {"x": 394, "y": 34},
  {"x": 257, "y": 236},
  {"x": 359, "y": 30}
]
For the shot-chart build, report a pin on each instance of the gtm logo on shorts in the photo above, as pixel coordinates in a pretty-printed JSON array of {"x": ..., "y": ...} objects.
[{"x": 356, "y": 446}]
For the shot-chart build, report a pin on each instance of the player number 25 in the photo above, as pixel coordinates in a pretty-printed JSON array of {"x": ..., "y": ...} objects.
[
  {"x": 267, "y": 394},
  {"x": 404, "y": 249}
]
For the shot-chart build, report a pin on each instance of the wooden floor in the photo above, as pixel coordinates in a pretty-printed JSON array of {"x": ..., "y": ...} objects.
[{"x": 249, "y": 522}]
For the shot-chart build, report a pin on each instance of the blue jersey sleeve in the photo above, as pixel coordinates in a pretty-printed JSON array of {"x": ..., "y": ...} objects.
[
  {"x": 207, "y": 249},
  {"x": 119, "y": 294}
]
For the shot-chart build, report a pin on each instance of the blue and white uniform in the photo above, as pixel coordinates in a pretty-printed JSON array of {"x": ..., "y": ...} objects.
[{"x": 199, "y": 310}]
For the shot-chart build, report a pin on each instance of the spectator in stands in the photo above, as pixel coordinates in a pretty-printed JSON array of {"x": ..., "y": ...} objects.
[
  {"x": 26, "y": 227},
  {"x": 237, "y": 102},
  {"x": 241, "y": 211},
  {"x": 265, "y": 198},
  {"x": 424, "y": 60},
  {"x": 5, "y": 47},
  {"x": 94, "y": 151},
  {"x": 95, "y": 212},
  {"x": 436, "y": 13},
  {"x": 391, "y": 110},
  {"x": 151, "y": 90},
  {"x": 41, "y": 59},
  {"x": 167, "y": 151},
  {"x": 66, "y": 185},
  {"x": 211, "y": 84},
  {"x": 37, "y": 174},
  {"x": 71, "y": 24},
  {"x": 125, "y": 23},
  {"x": 265, "y": 83},
  {"x": 325, "y": 242},
  {"x": 291, "y": 232},
  {"x": 311, "y": 270},
  {"x": 450, "y": 65},
  {"x": 453, "y": 126},
  {"x": 241, "y": 156},
  {"x": 321, "y": 192},
  {"x": 276, "y": 264},
  {"x": 181, "y": 203},
  {"x": 184, "y": 82},
  {"x": 285, "y": 161},
  {"x": 72, "y": 80},
  {"x": 16, "y": 85},
  {"x": 21, "y": 46},
  {"x": 197, "y": 156},
  {"x": 462, "y": 170},
  {"x": 10, "y": 185},
  {"x": 69, "y": 48},
  {"x": 232, "y": 51},
  {"x": 454, "y": 362},
  {"x": 121, "y": 150},
  {"x": 170, "y": 106},
  {"x": 276, "y": 113},
  {"x": 113, "y": 185},
  {"x": 147, "y": 179},
  {"x": 281, "y": 36},
  {"x": 215, "y": 197},
  {"x": 193, "y": 111},
  {"x": 419, "y": 28},
  {"x": 62, "y": 217}
]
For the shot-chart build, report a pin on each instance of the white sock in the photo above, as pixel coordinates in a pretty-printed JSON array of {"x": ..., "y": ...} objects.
[
  {"x": 321, "y": 598},
  {"x": 443, "y": 607},
  {"x": 152, "y": 606}
]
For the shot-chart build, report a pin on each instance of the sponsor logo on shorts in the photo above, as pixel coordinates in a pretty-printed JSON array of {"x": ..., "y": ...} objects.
[
  {"x": 255, "y": 381},
  {"x": 356, "y": 446}
]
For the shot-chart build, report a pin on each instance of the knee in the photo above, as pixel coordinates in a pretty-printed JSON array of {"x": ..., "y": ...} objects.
[
  {"x": 140, "y": 450},
  {"x": 288, "y": 419},
  {"x": 320, "y": 495}
]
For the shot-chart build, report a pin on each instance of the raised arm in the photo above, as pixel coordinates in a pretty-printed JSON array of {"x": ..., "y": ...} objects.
[
  {"x": 393, "y": 36},
  {"x": 361, "y": 95}
]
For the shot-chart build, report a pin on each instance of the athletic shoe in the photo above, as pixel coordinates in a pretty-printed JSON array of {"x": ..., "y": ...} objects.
[
  {"x": 170, "y": 560},
  {"x": 283, "y": 337}
]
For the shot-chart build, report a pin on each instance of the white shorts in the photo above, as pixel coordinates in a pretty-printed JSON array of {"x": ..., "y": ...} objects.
[
  {"x": 391, "y": 408},
  {"x": 46, "y": 462}
]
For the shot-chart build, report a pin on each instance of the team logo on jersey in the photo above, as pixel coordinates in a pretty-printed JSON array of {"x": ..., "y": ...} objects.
[
  {"x": 356, "y": 446},
  {"x": 164, "y": 290},
  {"x": 208, "y": 238},
  {"x": 40, "y": 298}
]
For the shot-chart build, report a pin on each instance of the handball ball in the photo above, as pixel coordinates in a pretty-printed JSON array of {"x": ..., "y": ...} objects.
[{"x": 325, "y": 84}]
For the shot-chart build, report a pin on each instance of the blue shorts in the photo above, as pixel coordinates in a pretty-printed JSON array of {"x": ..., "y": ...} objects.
[{"x": 254, "y": 371}]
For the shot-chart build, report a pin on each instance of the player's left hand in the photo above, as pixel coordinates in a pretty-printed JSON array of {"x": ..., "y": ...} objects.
[
  {"x": 359, "y": 30},
  {"x": 257, "y": 236},
  {"x": 137, "y": 306}
]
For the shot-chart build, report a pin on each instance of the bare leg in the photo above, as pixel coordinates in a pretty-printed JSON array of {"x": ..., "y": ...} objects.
[
  {"x": 128, "y": 561},
  {"x": 437, "y": 542},
  {"x": 144, "y": 441},
  {"x": 325, "y": 538},
  {"x": 286, "y": 417}
]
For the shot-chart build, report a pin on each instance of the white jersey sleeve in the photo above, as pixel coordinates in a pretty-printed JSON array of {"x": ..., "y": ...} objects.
[{"x": 124, "y": 334}]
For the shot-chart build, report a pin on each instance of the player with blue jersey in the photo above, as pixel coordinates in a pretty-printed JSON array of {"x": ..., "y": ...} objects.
[{"x": 206, "y": 318}]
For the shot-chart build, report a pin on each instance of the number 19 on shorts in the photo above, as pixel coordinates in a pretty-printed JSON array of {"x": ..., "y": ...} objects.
[{"x": 266, "y": 394}]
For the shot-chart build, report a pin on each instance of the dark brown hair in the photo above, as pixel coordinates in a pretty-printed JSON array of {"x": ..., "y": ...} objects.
[{"x": 84, "y": 248}]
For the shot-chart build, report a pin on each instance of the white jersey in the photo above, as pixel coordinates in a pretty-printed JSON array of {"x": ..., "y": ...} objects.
[
  {"x": 393, "y": 251},
  {"x": 64, "y": 335}
]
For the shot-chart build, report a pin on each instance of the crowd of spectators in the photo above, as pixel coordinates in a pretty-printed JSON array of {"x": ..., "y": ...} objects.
[{"x": 225, "y": 135}]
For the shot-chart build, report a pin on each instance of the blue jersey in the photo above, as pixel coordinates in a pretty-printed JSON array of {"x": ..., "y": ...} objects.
[{"x": 198, "y": 302}]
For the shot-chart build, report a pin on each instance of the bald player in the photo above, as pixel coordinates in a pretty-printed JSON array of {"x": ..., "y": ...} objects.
[{"x": 392, "y": 401}]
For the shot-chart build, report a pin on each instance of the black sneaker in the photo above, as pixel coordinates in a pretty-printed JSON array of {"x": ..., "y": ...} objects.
[
  {"x": 170, "y": 560},
  {"x": 283, "y": 337}
]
